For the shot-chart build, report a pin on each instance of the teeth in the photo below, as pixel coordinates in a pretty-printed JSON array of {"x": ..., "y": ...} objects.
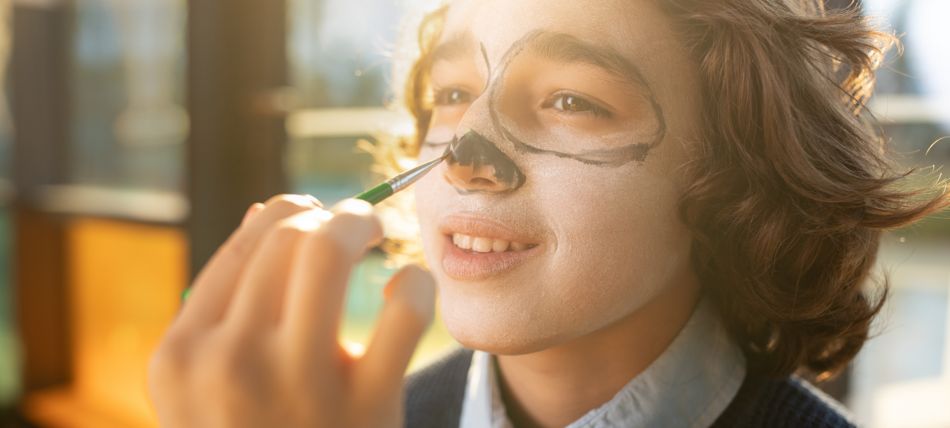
[
  {"x": 499, "y": 246},
  {"x": 485, "y": 245},
  {"x": 482, "y": 245},
  {"x": 462, "y": 241}
]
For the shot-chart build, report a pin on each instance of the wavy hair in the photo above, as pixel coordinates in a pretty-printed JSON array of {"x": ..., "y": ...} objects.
[{"x": 791, "y": 184}]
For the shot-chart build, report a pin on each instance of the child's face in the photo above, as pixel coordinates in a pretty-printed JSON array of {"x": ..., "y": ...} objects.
[{"x": 570, "y": 119}]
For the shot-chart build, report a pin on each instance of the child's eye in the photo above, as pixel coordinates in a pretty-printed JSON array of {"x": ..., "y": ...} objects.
[
  {"x": 573, "y": 104},
  {"x": 451, "y": 97}
]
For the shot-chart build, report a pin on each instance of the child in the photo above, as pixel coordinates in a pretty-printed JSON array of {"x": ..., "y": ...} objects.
[{"x": 654, "y": 212}]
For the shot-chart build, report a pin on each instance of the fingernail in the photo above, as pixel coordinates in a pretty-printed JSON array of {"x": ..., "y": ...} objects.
[
  {"x": 315, "y": 201},
  {"x": 251, "y": 212}
]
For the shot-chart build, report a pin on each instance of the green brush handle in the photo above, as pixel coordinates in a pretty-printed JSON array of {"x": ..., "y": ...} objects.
[{"x": 376, "y": 194}]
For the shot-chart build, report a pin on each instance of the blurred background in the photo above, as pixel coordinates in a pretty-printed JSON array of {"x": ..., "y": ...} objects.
[{"x": 134, "y": 134}]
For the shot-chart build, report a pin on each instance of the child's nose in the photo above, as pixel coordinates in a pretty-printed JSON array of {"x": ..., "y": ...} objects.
[{"x": 475, "y": 164}]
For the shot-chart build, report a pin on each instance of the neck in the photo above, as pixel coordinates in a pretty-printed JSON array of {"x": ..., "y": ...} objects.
[{"x": 558, "y": 385}]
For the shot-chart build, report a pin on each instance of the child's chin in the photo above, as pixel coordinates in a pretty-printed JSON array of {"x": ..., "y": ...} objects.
[
  {"x": 493, "y": 324},
  {"x": 501, "y": 348},
  {"x": 499, "y": 340}
]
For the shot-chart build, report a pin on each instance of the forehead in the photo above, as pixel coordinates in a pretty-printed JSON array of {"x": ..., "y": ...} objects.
[{"x": 636, "y": 28}]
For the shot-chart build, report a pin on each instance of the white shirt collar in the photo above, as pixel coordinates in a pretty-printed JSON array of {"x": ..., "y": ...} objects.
[{"x": 689, "y": 385}]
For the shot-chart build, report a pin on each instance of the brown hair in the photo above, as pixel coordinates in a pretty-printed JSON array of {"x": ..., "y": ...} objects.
[{"x": 790, "y": 184}]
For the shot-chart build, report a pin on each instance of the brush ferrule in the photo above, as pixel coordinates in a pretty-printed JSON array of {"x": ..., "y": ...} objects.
[{"x": 403, "y": 180}]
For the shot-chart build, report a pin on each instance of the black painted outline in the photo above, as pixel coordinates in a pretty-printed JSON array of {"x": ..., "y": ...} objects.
[
  {"x": 620, "y": 155},
  {"x": 617, "y": 156}
]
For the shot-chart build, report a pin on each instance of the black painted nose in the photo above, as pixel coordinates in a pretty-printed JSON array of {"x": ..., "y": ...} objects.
[{"x": 476, "y": 165}]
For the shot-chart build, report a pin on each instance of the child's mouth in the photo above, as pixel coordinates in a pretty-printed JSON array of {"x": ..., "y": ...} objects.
[
  {"x": 471, "y": 258},
  {"x": 480, "y": 244},
  {"x": 477, "y": 247}
]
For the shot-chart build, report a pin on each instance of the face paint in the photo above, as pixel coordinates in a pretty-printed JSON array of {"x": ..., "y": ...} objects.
[
  {"x": 474, "y": 151},
  {"x": 631, "y": 143},
  {"x": 631, "y": 136}
]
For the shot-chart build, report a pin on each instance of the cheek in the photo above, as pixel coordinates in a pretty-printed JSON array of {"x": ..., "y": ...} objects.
[
  {"x": 617, "y": 229},
  {"x": 438, "y": 133}
]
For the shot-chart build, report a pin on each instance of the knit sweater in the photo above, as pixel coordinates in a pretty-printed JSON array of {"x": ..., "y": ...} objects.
[{"x": 434, "y": 399}]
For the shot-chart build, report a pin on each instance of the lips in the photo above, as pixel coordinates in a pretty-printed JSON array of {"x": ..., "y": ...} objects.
[{"x": 477, "y": 248}]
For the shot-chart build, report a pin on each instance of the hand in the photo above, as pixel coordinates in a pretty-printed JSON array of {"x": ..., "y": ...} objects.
[{"x": 256, "y": 343}]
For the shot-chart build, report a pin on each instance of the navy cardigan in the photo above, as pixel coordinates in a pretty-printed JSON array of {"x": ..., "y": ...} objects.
[{"x": 434, "y": 394}]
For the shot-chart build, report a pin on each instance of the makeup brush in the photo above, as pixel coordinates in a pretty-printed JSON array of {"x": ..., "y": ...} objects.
[{"x": 389, "y": 187}]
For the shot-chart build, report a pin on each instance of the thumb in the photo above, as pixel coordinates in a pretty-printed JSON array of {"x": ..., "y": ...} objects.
[{"x": 406, "y": 313}]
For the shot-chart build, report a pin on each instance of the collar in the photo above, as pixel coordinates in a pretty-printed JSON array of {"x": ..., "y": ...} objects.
[{"x": 690, "y": 384}]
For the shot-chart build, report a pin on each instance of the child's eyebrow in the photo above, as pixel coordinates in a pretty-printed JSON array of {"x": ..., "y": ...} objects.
[{"x": 567, "y": 48}]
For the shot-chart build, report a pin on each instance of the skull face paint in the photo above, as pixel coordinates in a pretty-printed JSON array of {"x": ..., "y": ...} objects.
[
  {"x": 630, "y": 142},
  {"x": 578, "y": 227},
  {"x": 619, "y": 146}
]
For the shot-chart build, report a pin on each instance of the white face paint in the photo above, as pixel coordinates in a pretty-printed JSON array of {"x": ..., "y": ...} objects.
[{"x": 592, "y": 101}]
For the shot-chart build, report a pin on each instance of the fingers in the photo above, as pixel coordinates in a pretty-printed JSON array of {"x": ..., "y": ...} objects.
[
  {"x": 321, "y": 270},
  {"x": 214, "y": 286},
  {"x": 258, "y": 302},
  {"x": 408, "y": 311}
]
